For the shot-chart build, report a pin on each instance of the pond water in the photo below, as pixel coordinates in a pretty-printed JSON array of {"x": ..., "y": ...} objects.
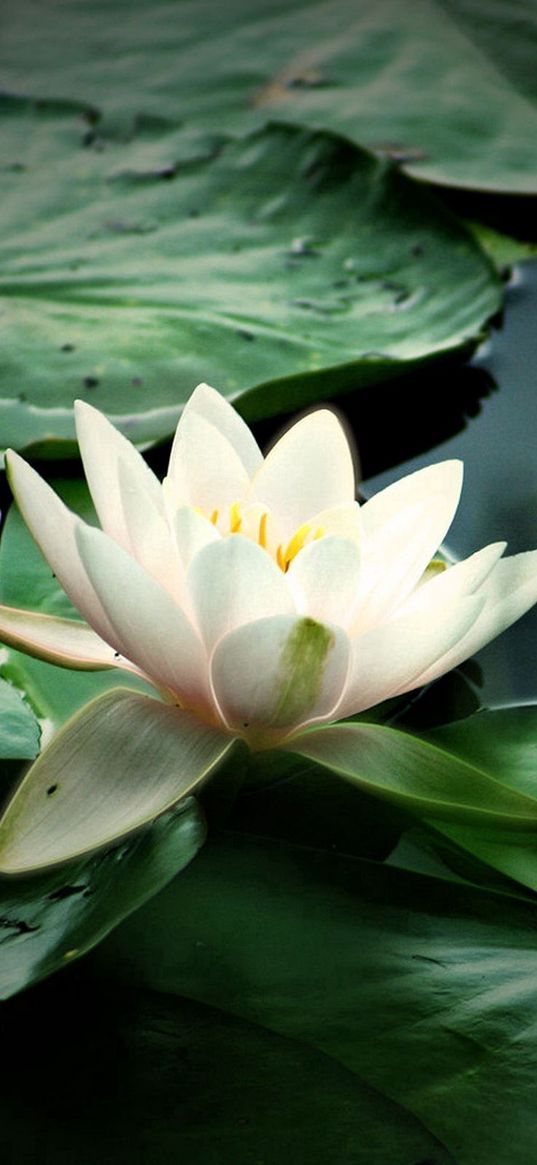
[{"x": 499, "y": 448}]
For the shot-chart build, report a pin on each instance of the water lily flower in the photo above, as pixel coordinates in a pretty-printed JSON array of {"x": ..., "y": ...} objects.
[{"x": 254, "y": 593}]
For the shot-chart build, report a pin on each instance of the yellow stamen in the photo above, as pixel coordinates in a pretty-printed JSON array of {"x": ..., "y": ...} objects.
[
  {"x": 235, "y": 518},
  {"x": 262, "y": 535},
  {"x": 296, "y": 543},
  {"x": 214, "y": 517},
  {"x": 280, "y": 559}
]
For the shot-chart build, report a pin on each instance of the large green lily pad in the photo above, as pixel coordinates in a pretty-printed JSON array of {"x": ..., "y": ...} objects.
[
  {"x": 282, "y": 268},
  {"x": 447, "y": 86},
  {"x": 426, "y": 990}
]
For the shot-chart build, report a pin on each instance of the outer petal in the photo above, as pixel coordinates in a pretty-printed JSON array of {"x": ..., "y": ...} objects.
[
  {"x": 463, "y": 578},
  {"x": 102, "y": 449},
  {"x": 324, "y": 579},
  {"x": 233, "y": 582},
  {"x": 53, "y": 526},
  {"x": 278, "y": 673},
  {"x": 64, "y": 642},
  {"x": 149, "y": 628},
  {"x": 391, "y": 658},
  {"x": 509, "y": 591},
  {"x": 309, "y": 469},
  {"x": 205, "y": 471},
  {"x": 212, "y": 407},
  {"x": 403, "y": 527}
]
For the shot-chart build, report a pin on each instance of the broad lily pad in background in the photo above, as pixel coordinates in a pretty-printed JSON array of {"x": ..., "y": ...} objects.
[
  {"x": 448, "y": 88},
  {"x": 426, "y": 990},
  {"x": 48, "y": 920},
  {"x": 283, "y": 268}
]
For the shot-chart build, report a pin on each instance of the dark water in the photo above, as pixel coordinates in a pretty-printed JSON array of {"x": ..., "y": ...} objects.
[{"x": 499, "y": 448}]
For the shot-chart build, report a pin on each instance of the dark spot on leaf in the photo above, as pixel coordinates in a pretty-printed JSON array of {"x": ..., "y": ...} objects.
[
  {"x": 22, "y": 397},
  {"x": 167, "y": 173},
  {"x": 193, "y": 213},
  {"x": 310, "y": 79},
  {"x": 244, "y": 335},
  {"x": 137, "y": 382},
  {"x": 65, "y": 892},
  {"x": 417, "y": 250},
  {"x": 51, "y": 790},
  {"x": 67, "y": 348},
  {"x": 17, "y": 926},
  {"x": 90, "y": 382}
]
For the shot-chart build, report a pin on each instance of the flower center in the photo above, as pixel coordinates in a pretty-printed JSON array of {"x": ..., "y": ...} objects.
[{"x": 239, "y": 523}]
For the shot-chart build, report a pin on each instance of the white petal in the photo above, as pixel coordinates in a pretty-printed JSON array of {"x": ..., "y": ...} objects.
[
  {"x": 233, "y": 582},
  {"x": 509, "y": 591},
  {"x": 324, "y": 579},
  {"x": 102, "y": 448},
  {"x": 279, "y": 673},
  {"x": 64, "y": 642},
  {"x": 443, "y": 478},
  {"x": 390, "y": 659},
  {"x": 205, "y": 471},
  {"x": 463, "y": 578},
  {"x": 150, "y": 629},
  {"x": 192, "y": 531},
  {"x": 148, "y": 533},
  {"x": 213, "y": 407},
  {"x": 309, "y": 469},
  {"x": 53, "y": 527},
  {"x": 402, "y": 529}
]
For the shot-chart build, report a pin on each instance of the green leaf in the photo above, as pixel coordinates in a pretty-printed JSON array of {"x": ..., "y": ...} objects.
[
  {"x": 505, "y": 743},
  {"x": 283, "y": 269},
  {"x": 19, "y": 729},
  {"x": 425, "y": 989},
  {"x": 189, "y": 1083},
  {"x": 418, "y": 775},
  {"x": 118, "y": 764},
  {"x": 446, "y": 87},
  {"x": 49, "y": 920}
]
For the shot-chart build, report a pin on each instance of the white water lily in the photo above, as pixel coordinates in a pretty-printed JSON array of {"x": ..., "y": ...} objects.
[
  {"x": 255, "y": 594},
  {"x": 253, "y": 591}
]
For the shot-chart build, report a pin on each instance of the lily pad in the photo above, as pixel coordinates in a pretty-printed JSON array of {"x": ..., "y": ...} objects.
[
  {"x": 19, "y": 729},
  {"x": 189, "y": 1083},
  {"x": 448, "y": 88},
  {"x": 282, "y": 268},
  {"x": 424, "y": 989},
  {"x": 49, "y": 920}
]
